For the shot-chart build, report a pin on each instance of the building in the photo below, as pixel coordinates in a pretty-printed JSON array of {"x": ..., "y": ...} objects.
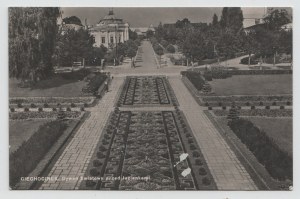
[
  {"x": 109, "y": 31},
  {"x": 142, "y": 31}
]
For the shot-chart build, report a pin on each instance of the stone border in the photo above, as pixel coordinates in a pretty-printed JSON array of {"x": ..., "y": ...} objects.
[{"x": 50, "y": 155}]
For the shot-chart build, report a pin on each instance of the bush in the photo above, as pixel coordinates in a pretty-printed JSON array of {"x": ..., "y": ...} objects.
[
  {"x": 193, "y": 147},
  {"x": 261, "y": 103},
  {"x": 198, "y": 162},
  {"x": 274, "y": 104},
  {"x": 224, "y": 107},
  {"x": 206, "y": 181},
  {"x": 82, "y": 109},
  {"x": 210, "y": 108},
  {"x": 90, "y": 183},
  {"x": 46, "y": 105},
  {"x": 94, "y": 172},
  {"x": 68, "y": 109},
  {"x": 12, "y": 109},
  {"x": 40, "y": 109},
  {"x": 26, "y": 109},
  {"x": 247, "y": 104},
  {"x": 20, "y": 105},
  {"x": 76, "y": 75},
  {"x": 73, "y": 105},
  {"x": 170, "y": 48},
  {"x": 32, "y": 105},
  {"x": 85, "y": 105},
  {"x": 281, "y": 107},
  {"x": 100, "y": 155},
  {"x": 164, "y": 43},
  {"x": 202, "y": 171},
  {"x": 196, "y": 154},
  {"x": 195, "y": 79},
  {"x": 97, "y": 163},
  {"x": 288, "y": 103},
  {"x": 54, "y": 109},
  {"x": 267, "y": 107},
  {"x": 29, "y": 154},
  {"x": 252, "y": 107}
]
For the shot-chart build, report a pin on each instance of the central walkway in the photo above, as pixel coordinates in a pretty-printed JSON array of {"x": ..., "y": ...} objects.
[
  {"x": 228, "y": 172},
  {"x": 74, "y": 160}
]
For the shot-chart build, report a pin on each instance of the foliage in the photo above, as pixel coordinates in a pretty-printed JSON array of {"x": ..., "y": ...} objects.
[
  {"x": 277, "y": 162},
  {"x": 25, "y": 159},
  {"x": 97, "y": 53},
  {"x": 170, "y": 48},
  {"x": 73, "y": 45},
  {"x": 276, "y": 19},
  {"x": 195, "y": 79},
  {"x": 72, "y": 20},
  {"x": 32, "y": 36}
]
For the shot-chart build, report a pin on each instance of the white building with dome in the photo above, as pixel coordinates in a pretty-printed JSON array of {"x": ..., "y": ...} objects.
[{"x": 109, "y": 31}]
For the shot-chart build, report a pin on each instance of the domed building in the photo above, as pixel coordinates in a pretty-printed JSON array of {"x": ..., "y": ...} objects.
[{"x": 110, "y": 30}]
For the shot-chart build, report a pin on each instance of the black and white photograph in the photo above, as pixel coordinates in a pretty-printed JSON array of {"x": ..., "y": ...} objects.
[{"x": 150, "y": 98}]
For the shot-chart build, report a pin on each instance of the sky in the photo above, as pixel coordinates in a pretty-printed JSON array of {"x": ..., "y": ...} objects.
[{"x": 144, "y": 17}]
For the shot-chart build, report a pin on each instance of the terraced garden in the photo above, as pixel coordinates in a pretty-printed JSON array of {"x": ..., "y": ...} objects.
[
  {"x": 146, "y": 90},
  {"x": 147, "y": 144}
]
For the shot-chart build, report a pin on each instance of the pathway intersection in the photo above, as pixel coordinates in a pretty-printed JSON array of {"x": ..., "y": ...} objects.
[{"x": 226, "y": 169}]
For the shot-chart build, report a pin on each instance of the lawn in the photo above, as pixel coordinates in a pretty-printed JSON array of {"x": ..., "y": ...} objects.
[
  {"x": 55, "y": 87},
  {"x": 253, "y": 85},
  {"x": 21, "y": 131},
  {"x": 280, "y": 129}
]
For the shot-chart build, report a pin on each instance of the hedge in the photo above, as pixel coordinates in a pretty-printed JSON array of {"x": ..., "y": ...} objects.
[
  {"x": 277, "y": 162},
  {"x": 195, "y": 78},
  {"x": 29, "y": 154}
]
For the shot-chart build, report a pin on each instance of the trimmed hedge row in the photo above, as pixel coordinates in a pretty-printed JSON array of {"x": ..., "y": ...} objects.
[
  {"x": 260, "y": 72},
  {"x": 249, "y": 98},
  {"x": 28, "y": 155},
  {"x": 277, "y": 162},
  {"x": 259, "y": 112},
  {"x": 195, "y": 78}
]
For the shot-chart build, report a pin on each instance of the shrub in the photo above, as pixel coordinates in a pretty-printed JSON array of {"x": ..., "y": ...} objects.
[
  {"x": 85, "y": 105},
  {"x": 40, "y": 109},
  {"x": 190, "y": 140},
  {"x": 195, "y": 79},
  {"x": 274, "y": 104},
  {"x": 193, "y": 147},
  {"x": 100, "y": 155},
  {"x": 210, "y": 108},
  {"x": 54, "y": 109},
  {"x": 206, "y": 181},
  {"x": 26, "y": 109},
  {"x": 248, "y": 104},
  {"x": 76, "y": 75},
  {"x": 68, "y": 109},
  {"x": 198, "y": 162},
  {"x": 29, "y": 154},
  {"x": 19, "y": 105},
  {"x": 224, "y": 107},
  {"x": 196, "y": 154},
  {"x": 164, "y": 43},
  {"x": 94, "y": 172},
  {"x": 261, "y": 103},
  {"x": 82, "y": 109},
  {"x": 97, "y": 163},
  {"x": 73, "y": 105},
  {"x": 90, "y": 183},
  {"x": 288, "y": 103},
  {"x": 206, "y": 104},
  {"x": 267, "y": 107},
  {"x": 202, "y": 171},
  {"x": 281, "y": 107},
  {"x": 32, "y": 105},
  {"x": 252, "y": 107},
  {"x": 220, "y": 104},
  {"x": 58, "y": 104},
  {"x": 46, "y": 105},
  {"x": 102, "y": 148},
  {"x": 61, "y": 115},
  {"x": 12, "y": 109},
  {"x": 170, "y": 48}
]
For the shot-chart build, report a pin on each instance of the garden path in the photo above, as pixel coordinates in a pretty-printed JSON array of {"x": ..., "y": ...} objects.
[
  {"x": 228, "y": 172},
  {"x": 74, "y": 160}
]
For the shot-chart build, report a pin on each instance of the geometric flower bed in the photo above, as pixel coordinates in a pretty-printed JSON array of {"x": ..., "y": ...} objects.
[
  {"x": 138, "y": 151},
  {"x": 146, "y": 90},
  {"x": 258, "y": 112},
  {"x": 43, "y": 115}
]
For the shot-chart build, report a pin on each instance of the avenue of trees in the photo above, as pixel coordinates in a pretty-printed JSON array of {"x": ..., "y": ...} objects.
[{"x": 226, "y": 38}]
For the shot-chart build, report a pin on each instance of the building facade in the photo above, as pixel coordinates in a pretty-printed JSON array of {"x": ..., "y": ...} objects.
[{"x": 109, "y": 31}]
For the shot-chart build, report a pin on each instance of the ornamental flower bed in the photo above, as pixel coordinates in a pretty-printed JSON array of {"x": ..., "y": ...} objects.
[
  {"x": 146, "y": 90},
  {"x": 259, "y": 112},
  {"x": 43, "y": 115},
  {"x": 147, "y": 144},
  {"x": 50, "y": 100}
]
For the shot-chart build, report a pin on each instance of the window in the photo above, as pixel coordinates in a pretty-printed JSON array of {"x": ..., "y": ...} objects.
[
  {"x": 103, "y": 40},
  {"x": 111, "y": 39}
]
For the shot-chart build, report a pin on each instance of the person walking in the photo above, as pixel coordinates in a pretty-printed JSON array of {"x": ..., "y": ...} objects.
[{"x": 106, "y": 86}]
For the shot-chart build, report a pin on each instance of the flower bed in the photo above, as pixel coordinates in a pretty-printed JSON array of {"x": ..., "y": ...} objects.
[
  {"x": 146, "y": 90},
  {"x": 50, "y": 100},
  {"x": 42, "y": 115},
  {"x": 278, "y": 163},
  {"x": 147, "y": 144},
  {"x": 259, "y": 112}
]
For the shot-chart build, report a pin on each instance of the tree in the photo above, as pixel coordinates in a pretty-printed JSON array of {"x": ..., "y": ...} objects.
[
  {"x": 193, "y": 45},
  {"x": 32, "y": 36},
  {"x": 276, "y": 19},
  {"x": 215, "y": 20},
  {"x": 159, "y": 33},
  {"x": 132, "y": 35},
  {"x": 149, "y": 34},
  {"x": 73, "y": 45},
  {"x": 131, "y": 50},
  {"x": 72, "y": 20},
  {"x": 232, "y": 19}
]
